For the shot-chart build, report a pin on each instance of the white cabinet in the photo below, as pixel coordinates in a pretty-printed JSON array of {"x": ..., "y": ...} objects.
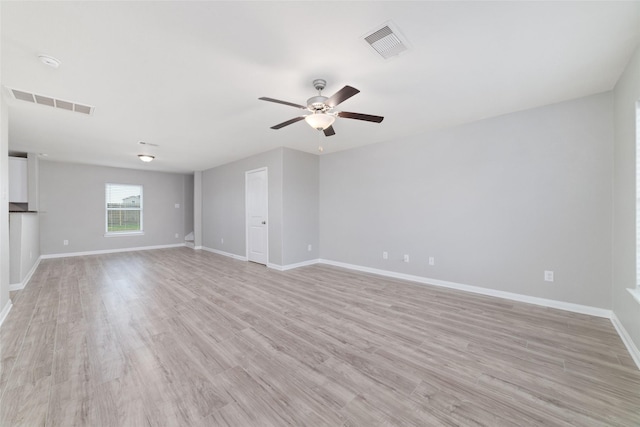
[{"x": 18, "y": 180}]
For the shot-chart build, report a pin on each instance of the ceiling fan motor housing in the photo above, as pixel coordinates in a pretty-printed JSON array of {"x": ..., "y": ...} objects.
[
  {"x": 317, "y": 103},
  {"x": 319, "y": 84}
]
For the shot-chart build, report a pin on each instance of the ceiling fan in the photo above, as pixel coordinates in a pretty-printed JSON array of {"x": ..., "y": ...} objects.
[{"x": 320, "y": 107}]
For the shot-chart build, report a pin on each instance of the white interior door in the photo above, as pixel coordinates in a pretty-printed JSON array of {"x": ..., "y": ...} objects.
[{"x": 257, "y": 212}]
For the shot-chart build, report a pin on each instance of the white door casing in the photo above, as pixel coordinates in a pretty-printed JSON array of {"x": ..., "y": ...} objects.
[{"x": 257, "y": 230}]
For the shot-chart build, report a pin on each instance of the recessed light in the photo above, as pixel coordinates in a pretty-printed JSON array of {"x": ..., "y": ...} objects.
[
  {"x": 49, "y": 60},
  {"x": 146, "y": 157}
]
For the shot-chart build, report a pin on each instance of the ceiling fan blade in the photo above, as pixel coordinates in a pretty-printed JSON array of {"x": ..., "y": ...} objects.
[
  {"x": 341, "y": 95},
  {"x": 287, "y": 123},
  {"x": 358, "y": 116},
  {"x": 329, "y": 131},
  {"x": 291, "y": 104}
]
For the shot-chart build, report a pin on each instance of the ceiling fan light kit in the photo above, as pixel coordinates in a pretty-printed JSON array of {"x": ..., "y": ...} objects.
[
  {"x": 146, "y": 157},
  {"x": 320, "y": 121},
  {"x": 320, "y": 107}
]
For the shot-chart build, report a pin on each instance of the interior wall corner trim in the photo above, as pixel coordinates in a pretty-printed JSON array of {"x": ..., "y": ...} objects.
[
  {"x": 223, "y": 253},
  {"x": 626, "y": 339},
  {"x": 20, "y": 286},
  {"x": 5, "y": 311},
  {"x": 294, "y": 265}
]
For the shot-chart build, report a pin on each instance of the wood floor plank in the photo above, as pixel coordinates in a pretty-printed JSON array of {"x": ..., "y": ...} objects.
[{"x": 181, "y": 337}]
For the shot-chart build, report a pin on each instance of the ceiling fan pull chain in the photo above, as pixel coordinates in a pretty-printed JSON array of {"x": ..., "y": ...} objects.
[{"x": 320, "y": 149}]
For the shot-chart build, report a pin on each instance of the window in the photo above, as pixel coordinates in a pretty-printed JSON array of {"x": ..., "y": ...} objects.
[
  {"x": 636, "y": 291},
  {"x": 638, "y": 195},
  {"x": 123, "y": 209}
]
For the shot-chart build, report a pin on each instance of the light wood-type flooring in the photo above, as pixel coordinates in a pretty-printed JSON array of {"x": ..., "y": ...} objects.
[{"x": 178, "y": 337}]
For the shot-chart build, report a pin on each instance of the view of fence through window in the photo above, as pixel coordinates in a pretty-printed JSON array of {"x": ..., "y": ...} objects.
[
  {"x": 638, "y": 196},
  {"x": 124, "y": 208}
]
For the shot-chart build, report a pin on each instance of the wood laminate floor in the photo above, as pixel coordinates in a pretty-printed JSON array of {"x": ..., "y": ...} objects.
[{"x": 178, "y": 337}]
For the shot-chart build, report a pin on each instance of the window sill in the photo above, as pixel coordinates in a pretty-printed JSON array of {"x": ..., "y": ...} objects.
[
  {"x": 124, "y": 233},
  {"x": 635, "y": 293}
]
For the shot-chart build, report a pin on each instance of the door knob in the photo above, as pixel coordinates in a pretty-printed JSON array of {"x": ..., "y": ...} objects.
[{"x": 264, "y": 222}]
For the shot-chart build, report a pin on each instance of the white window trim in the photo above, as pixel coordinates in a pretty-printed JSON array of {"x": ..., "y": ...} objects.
[
  {"x": 123, "y": 233},
  {"x": 140, "y": 232},
  {"x": 636, "y": 292}
]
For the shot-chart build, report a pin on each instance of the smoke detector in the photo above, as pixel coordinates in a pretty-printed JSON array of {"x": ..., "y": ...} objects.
[{"x": 49, "y": 60}]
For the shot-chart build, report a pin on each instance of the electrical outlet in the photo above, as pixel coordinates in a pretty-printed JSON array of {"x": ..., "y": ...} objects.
[
  {"x": 548, "y": 276},
  {"x": 309, "y": 248},
  {"x": 177, "y": 205},
  {"x": 222, "y": 240},
  {"x": 65, "y": 242},
  {"x": 406, "y": 258},
  {"x": 432, "y": 261},
  {"x": 177, "y": 235},
  {"x": 385, "y": 255}
]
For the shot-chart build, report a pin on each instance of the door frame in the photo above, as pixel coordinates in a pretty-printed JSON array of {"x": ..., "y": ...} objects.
[{"x": 246, "y": 209}]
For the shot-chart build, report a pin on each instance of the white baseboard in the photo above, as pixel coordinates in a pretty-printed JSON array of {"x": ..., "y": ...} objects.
[
  {"x": 197, "y": 248},
  {"x": 5, "y": 311},
  {"x": 561, "y": 305},
  {"x": 111, "y": 251},
  {"x": 21, "y": 285},
  {"x": 292, "y": 266},
  {"x": 223, "y": 253},
  {"x": 626, "y": 339}
]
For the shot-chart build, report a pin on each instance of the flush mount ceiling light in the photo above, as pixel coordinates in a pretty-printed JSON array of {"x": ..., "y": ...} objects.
[
  {"x": 147, "y": 157},
  {"x": 49, "y": 60}
]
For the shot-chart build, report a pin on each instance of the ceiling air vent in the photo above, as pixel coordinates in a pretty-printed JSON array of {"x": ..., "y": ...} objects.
[
  {"x": 51, "y": 102},
  {"x": 387, "y": 41}
]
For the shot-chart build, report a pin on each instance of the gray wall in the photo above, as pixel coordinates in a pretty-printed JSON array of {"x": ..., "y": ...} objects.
[
  {"x": 300, "y": 197},
  {"x": 188, "y": 204},
  {"x": 197, "y": 209},
  {"x": 4, "y": 206},
  {"x": 72, "y": 207},
  {"x": 223, "y": 205},
  {"x": 495, "y": 202},
  {"x": 32, "y": 181},
  {"x": 627, "y": 93},
  {"x": 293, "y": 206}
]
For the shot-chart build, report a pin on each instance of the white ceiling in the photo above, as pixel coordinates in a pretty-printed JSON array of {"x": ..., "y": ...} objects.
[{"x": 187, "y": 75}]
